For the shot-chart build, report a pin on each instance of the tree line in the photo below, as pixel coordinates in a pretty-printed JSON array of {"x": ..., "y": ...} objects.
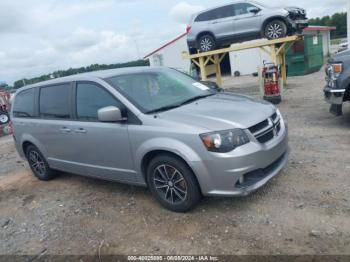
[
  {"x": 73, "y": 71},
  {"x": 338, "y": 20}
]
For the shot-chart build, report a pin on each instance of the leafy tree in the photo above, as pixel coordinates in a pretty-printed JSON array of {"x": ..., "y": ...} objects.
[
  {"x": 73, "y": 71},
  {"x": 337, "y": 19}
]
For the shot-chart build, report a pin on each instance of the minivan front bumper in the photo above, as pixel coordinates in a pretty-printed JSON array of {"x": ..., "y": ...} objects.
[{"x": 244, "y": 170}]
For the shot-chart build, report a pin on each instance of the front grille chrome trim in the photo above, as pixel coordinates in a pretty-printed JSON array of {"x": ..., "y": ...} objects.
[{"x": 268, "y": 132}]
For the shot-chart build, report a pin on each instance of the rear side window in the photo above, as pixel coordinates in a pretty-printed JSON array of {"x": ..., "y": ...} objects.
[
  {"x": 217, "y": 13},
  {"x": 91, "y": 98},
  {"x": 24, "y": 103},
  {"x": 206, "y": 16},
  {"x": 55, "y": 101},
  {"x": 242, "y": 8}
]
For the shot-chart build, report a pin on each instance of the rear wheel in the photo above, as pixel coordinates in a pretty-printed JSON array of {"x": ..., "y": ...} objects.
[
  {"x": 206, "y": 43},
  {"x": 173, "y": 183},
  {"x": 275, "y": 29},
  {"x": 38, "y": 164}
]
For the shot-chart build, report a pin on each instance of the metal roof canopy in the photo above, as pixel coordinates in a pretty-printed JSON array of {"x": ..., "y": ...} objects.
[{"x": 276, "y": 49}]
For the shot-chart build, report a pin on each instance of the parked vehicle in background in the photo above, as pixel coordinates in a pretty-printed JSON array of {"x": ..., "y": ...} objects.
[
  {"x": 343, "y": 45},
  {"x": 4, "y": 106},
  {"x": 337, "y": 90},
  {"x": 154, "y": 127},
  {"x": 242, "y": 21}
]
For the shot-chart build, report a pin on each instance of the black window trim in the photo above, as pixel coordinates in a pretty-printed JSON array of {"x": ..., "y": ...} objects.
[
  {"x": 35, "y": 115},
  {"x": 70, "y": 99},
  {"x": 132, "y": 119}
]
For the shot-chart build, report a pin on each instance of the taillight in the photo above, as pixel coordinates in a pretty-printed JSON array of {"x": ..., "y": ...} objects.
[{"x": 188, "y": 29}]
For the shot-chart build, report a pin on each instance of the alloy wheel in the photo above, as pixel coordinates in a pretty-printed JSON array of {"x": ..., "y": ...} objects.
[
  {"x": 274, "y": 30},
  {"x": 37, "y": 162},
  {"x": 206, "y": 44},
  {"x": 170, "y": 184}
]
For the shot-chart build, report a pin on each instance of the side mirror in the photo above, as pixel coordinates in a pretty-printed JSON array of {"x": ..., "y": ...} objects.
[
  {"x": 109, "y": 114},
  {"x": 254, "y": 10}
]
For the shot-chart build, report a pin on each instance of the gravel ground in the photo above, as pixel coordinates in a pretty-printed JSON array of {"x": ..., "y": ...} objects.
[{"x": 305, "y": 210}]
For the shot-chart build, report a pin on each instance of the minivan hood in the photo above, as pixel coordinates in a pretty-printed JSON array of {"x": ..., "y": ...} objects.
[{"x": 221, "y": 111}]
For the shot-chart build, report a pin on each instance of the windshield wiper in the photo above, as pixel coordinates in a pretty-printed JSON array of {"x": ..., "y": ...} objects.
[
  {"x": 163, "y": 108},
  {"x": 166, "y": 108},
  {"x": 195, "y": 99}
]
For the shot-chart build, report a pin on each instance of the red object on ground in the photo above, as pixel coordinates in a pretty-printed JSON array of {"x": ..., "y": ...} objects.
[{"x": 271, "y": 83}]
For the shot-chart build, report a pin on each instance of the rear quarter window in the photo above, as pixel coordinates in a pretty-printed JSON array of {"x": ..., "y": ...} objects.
[{"x": 24, "y": 104}]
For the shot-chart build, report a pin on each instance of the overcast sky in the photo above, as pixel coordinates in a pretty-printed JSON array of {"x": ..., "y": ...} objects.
[{"x": 38, "y": 37}]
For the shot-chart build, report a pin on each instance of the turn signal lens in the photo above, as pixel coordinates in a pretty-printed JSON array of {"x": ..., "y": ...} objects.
[{"x": 337, "y": 68}]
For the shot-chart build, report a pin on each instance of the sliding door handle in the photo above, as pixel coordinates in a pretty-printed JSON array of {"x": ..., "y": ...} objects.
[
  {"x": 65, "y": 130},
  {"x": 80, "y": 131}
]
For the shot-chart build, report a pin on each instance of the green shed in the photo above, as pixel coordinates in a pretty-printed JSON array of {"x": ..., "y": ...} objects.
[{"x": 305, "y": 57}]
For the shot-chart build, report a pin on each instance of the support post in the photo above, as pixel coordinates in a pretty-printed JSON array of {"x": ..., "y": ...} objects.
[
  {"x": 283, "y": 66},
  {"x": 218, "y": 70},
  {"x": 202, "y": 68},
  {"x": 273, "y": 54}
]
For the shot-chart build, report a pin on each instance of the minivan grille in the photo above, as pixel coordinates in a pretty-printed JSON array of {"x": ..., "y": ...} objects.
[{"x": 267, "y": 129}]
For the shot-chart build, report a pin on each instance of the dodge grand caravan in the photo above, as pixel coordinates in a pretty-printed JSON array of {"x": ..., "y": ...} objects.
[{"x": 152, "y": 127}]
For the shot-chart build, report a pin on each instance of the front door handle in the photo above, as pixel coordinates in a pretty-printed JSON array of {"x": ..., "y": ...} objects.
[
  {"x": 80, "y": 131},
  {"x": 65, "y": 130}
]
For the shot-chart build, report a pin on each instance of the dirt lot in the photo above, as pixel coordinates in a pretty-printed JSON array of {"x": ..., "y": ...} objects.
[{"x": 305, "y": 210}]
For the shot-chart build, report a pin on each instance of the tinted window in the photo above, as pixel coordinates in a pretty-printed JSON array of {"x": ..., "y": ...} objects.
[
  {"x": 91, "y": 98},
  {"x": 243, "y": 8},
  {"x": 24, "y": 104},
  {"x": 206, "y": 16},
  {"x": 225, "y": 11},
  {"x": 55, "y": 101}
]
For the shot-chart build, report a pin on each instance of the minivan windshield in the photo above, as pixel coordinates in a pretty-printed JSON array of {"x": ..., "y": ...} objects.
[{"x": 159, "y": 90}]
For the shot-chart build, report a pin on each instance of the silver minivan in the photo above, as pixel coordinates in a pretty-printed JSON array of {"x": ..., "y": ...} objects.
[{"x": 152, "y": 127}]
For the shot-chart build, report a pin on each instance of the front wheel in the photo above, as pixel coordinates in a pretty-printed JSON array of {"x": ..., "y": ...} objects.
[
  {"x": 173, "y": 183},
  {"x": 206, "y": 43},
  {"x": 275, "y": 29}
]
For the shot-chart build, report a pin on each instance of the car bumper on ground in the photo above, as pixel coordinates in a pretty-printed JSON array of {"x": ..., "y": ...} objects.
[
  {"x": 333, "y": 96},
  {"x": 244, "y": 170}
]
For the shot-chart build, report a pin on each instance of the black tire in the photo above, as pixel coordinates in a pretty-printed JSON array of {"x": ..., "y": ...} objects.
[
  {"x": 4, "y": 118},
  {"x": 275, "y": 29},
  {"x": 38, "y": 164},
  {"x": 177, "y": 191},
  {"x": 206, "y": 43}
]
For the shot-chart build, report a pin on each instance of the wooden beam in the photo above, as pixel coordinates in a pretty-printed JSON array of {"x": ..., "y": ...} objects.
[
  {"x": 280, "y": 48},
  {"x": 222, "y": 57},
  {"x": 247, "y": 45},
  {"x": 218, "y": 70},
  {"x": 202, "y": 69},
  {"x": 195, "y": 62}
]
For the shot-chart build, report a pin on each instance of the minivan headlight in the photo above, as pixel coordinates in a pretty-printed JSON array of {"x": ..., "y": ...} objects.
[{"x": 224, "y": 141}]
